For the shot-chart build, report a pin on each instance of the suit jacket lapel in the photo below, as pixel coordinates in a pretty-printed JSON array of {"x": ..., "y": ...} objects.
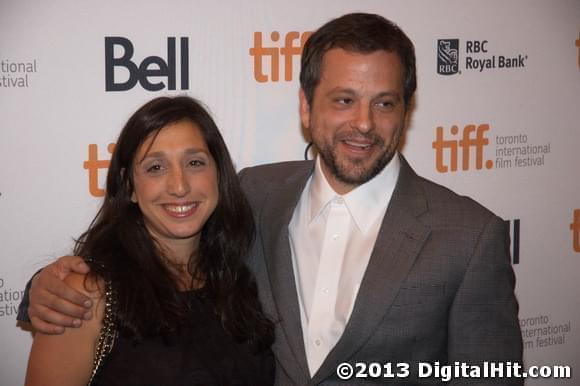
[
  {"x": 399, "y": 241},
  {"x": 276, "y": 215}
]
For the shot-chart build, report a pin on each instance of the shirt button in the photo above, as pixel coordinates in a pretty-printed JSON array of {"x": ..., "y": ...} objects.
[
  {"x": 318, "y": 342},
  {"x": 335, "y": 236},
  {"x": 339, "y": 200},
  {"x": 325, "y": 290}
]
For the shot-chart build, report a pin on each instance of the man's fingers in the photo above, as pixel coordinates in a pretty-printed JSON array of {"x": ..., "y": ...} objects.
[
  {"x": 49, "y": 291},
  {"x": 62, "y": 306},
  {"x": 53, "y": 304},
  {"x": 43, "y": 318},
  {"x": 65, "y": 297},
  {"x": 66, "y": 264},
  {"x": 46, "y": 328}
]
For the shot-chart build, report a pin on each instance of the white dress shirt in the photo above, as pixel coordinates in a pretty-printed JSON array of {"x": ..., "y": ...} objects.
[{"x": 331, "y": 239}]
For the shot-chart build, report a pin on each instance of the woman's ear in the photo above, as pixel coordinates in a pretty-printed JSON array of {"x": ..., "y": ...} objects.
[{"x": 128, "y": 185}]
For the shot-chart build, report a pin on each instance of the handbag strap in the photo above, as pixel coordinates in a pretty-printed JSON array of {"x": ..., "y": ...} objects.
[{"x": 108, "y": 331}]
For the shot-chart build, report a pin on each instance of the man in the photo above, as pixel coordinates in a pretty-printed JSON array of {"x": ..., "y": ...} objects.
[{"x": 357, "y": 258}]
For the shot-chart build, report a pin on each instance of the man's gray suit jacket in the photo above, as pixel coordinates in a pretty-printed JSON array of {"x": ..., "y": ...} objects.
[{"x": 439, "y": 286}]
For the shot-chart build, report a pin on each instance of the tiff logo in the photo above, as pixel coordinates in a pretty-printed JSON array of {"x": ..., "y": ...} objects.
[
  {"x": 447, "y": 56},
  {"x": 447, "y": 150},
  {"x": 94, "y": 165},
  {"x": 514, "y": 227},
  {"x": 575, "y": 227},
  {"x": 150, "y": 72},
  {"x": 293, "y": 45}
]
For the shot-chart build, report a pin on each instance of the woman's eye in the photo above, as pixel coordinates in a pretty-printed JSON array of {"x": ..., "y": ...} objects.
[
  {"x": 196, "y": 163},
  {"x": 153, "y": 168}
]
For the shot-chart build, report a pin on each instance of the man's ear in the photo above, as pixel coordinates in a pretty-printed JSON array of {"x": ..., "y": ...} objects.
[
  {"x": 304, "y": 109},
  {"x": 409, "y": 112}
]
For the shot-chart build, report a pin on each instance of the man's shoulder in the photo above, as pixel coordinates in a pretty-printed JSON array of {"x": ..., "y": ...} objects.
[
  {"x": 453, "y": 207},
  {"x": 286, "y": 168},
  {"x": 278, "y": 171},
  {"x": 262, "y": 181},
  {"x": 259, "y": 181}
]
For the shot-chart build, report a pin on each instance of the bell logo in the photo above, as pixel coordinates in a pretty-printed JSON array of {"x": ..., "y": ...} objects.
[
  {"x": 94, "y": 165},
  {"x": 151, "y": 66},
  {"x": 288, "y": 51},
  {"x": 447, "y": 150},
  {"x": 575, "y": 227}
]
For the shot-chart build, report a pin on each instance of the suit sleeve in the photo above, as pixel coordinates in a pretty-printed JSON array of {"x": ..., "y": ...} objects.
[
  {"x": 242, "y": 177},
  {"x": 483, "y": 321},
  {"x": 22, "y": 315}
]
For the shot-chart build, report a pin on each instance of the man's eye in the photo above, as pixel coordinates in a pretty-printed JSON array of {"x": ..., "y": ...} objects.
[
  {"x": 344, "y": 101},
  {"x": 385, "y": 105}
]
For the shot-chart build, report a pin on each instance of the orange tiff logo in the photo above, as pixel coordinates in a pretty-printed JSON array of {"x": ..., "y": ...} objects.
[
  {"x": 289, "y": 50},
  {"x": 575, "y": 227},
  {"x": 94, "y": 165},
  {"x": 449, "y": 148}
]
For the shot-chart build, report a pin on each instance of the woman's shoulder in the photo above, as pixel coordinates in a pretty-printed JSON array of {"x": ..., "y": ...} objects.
[{"x": 67, "y": 358}]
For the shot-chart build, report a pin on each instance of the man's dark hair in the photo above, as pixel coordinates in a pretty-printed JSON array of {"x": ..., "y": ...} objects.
[
  {"x": 119, "y": 248},
  {"x": 362, "y": 33}
]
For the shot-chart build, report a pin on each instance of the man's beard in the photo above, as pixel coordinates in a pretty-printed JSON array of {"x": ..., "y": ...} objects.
[{"x": 353, "y": 172}]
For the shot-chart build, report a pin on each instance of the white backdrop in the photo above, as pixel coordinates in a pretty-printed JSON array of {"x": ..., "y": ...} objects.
[{"x": 54, "y": 105}]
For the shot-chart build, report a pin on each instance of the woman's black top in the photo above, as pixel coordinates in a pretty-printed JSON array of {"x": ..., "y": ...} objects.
[{"x": 200, "y": 353}]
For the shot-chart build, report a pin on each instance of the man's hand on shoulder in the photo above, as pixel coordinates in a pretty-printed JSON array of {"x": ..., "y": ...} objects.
[{"x": 53, "y": 304}]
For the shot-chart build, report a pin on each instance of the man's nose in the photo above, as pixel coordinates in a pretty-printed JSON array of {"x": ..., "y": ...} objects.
[{"x": 363, "y": 118}]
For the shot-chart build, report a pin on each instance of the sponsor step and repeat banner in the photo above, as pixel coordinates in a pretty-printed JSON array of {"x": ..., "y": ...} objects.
[{"x": 495, "y": 118}]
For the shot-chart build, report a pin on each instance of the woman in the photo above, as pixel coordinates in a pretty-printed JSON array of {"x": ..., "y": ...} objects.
[{"x": 174, "y": 298}]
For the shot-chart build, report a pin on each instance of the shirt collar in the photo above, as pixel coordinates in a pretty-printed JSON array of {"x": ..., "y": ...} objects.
[{"x": 365, "y": 202}]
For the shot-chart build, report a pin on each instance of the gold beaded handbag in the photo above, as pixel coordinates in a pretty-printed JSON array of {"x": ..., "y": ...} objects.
[{"x": 108, "y": 332}]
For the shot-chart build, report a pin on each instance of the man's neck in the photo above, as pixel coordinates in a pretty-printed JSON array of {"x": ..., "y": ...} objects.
[{"x": 340, "y": 187}]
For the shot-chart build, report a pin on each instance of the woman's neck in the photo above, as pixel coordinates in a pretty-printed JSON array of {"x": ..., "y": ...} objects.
[{"x": 178, "y": 255}]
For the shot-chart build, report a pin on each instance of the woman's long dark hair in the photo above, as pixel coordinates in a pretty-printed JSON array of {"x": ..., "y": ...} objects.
[{"x": 119, "y": 248}]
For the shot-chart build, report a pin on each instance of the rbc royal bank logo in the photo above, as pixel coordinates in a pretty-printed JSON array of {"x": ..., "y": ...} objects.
[
  {"x": 478, "y": 56},
  {"x": 447, "y": 56}
]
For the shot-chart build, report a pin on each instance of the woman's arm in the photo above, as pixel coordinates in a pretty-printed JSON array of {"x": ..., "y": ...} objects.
[{"x": 67, "y": 359}]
